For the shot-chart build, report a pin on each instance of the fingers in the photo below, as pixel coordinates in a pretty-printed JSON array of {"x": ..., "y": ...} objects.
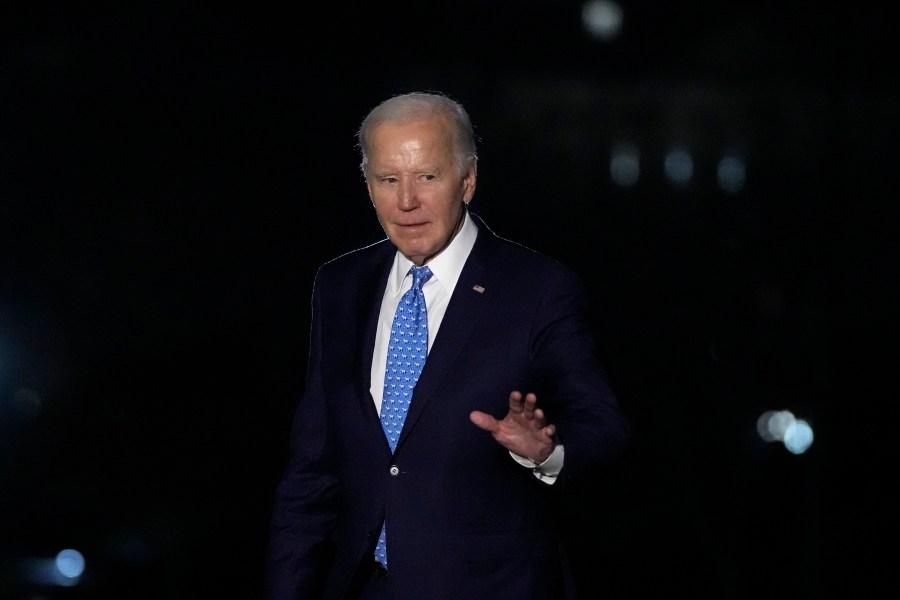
[
  {"x": 522, "y": 409},
  {"x": 516, "y": 402},
  {"x": 526, "y": 406},
  {"x": 530, "y": 406},
  {"x": 522, "y": 404}
]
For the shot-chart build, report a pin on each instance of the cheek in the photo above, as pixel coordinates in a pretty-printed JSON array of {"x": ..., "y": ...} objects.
[{"x": 381, "y": 205}]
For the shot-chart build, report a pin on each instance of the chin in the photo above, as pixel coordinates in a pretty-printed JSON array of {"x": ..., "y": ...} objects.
[
  {"x": 413, "y": 247},
  {"x": 415, "y": 252}
]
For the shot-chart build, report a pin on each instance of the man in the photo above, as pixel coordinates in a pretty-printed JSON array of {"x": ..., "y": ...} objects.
[{"x": 457, "y": 499}]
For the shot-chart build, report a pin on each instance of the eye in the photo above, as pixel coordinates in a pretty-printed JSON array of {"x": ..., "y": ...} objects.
[
  {"x": 388, "y": 180},
  {"x": 429, "y": 177}
]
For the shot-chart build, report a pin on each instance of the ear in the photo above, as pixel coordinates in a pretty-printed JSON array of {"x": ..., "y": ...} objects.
[{"x": 469, "y": 181}]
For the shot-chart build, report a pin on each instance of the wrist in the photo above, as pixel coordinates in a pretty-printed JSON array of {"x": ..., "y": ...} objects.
[{"x": 543, "y": 457}]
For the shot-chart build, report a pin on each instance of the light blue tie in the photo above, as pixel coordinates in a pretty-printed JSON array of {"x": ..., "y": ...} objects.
[{"x": 406, "y": 355}]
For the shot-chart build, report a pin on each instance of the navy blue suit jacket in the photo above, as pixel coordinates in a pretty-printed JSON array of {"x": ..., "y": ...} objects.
[{"x": 464, "y": 519}]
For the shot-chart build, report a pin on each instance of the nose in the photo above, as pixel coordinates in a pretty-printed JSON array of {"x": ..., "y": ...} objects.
[{"x": 406, "y": 195}]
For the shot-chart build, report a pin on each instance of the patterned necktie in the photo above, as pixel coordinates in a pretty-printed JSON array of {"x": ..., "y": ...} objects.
[{"x": 407, "y": 350}]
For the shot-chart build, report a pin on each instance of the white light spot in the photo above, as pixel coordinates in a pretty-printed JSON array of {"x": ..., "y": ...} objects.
[
  {"x": 679, "y": 166},
  {"x": 602, "y": 19},
  {"x": 731, "y": 174},
  {"x": 772, "y": 424},
  {"x": 625, "y": 165}
]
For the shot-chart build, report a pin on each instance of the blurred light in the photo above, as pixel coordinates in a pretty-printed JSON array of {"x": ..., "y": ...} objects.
[
  {"x": 625, "y": 165},
  {"x": 602, "y": 19},
  {"x": 679, "y": 166},
  {"x": 782, "y": 426},
  {"x": 772, "y": 424},
  {"x": 65, "y": 570},
  {"x": 731, "y": 174},
  {"x": 70, "y": 563},
  {"x": 798, "y": 437}
]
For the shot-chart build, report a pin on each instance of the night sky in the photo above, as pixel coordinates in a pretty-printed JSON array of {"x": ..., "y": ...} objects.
[{"x": 171, "y": 177}]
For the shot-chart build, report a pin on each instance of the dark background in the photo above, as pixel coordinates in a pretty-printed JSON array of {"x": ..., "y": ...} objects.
[{"x": 171, "y": 175}]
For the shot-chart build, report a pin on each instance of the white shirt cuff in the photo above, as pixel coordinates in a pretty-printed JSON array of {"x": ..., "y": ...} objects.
[{"x": 548, "y": 470}]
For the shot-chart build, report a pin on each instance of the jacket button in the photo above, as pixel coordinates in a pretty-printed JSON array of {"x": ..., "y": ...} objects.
[{"x": 395, "y": 470}]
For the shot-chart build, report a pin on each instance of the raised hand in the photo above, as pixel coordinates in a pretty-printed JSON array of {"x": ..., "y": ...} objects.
[{"x": 523, "y": 431}]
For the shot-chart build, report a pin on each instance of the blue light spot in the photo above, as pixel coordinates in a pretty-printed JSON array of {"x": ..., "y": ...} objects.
[
  {"x": 70, "y": 563},
  {"x": 798, "y": 437}
]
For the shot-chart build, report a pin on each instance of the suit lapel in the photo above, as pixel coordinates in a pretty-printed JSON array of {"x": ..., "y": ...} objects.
[{"x": 470, "y": 297}]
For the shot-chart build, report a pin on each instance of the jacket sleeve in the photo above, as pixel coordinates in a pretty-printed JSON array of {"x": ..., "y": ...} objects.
[
  {"x": 576, "y": 395},
  {"x": 304, "y": 514}
]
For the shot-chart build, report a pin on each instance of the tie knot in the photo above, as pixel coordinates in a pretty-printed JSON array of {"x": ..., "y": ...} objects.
[{"x": 420, "y": 276}]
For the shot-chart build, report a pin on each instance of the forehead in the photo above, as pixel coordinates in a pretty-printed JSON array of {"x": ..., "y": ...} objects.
[
  {"x": 391, "y": 136},
  {"x": 421, "y": 145}
]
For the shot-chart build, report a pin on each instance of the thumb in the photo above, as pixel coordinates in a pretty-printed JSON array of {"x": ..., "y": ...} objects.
[{"x": 483, "y": 420}]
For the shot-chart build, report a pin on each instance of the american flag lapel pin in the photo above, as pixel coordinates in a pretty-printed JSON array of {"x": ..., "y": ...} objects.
[{"x": 478, "y": 289}]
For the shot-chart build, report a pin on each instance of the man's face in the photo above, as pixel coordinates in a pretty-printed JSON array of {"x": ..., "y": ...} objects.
[{"x": 416, "y": 186}]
